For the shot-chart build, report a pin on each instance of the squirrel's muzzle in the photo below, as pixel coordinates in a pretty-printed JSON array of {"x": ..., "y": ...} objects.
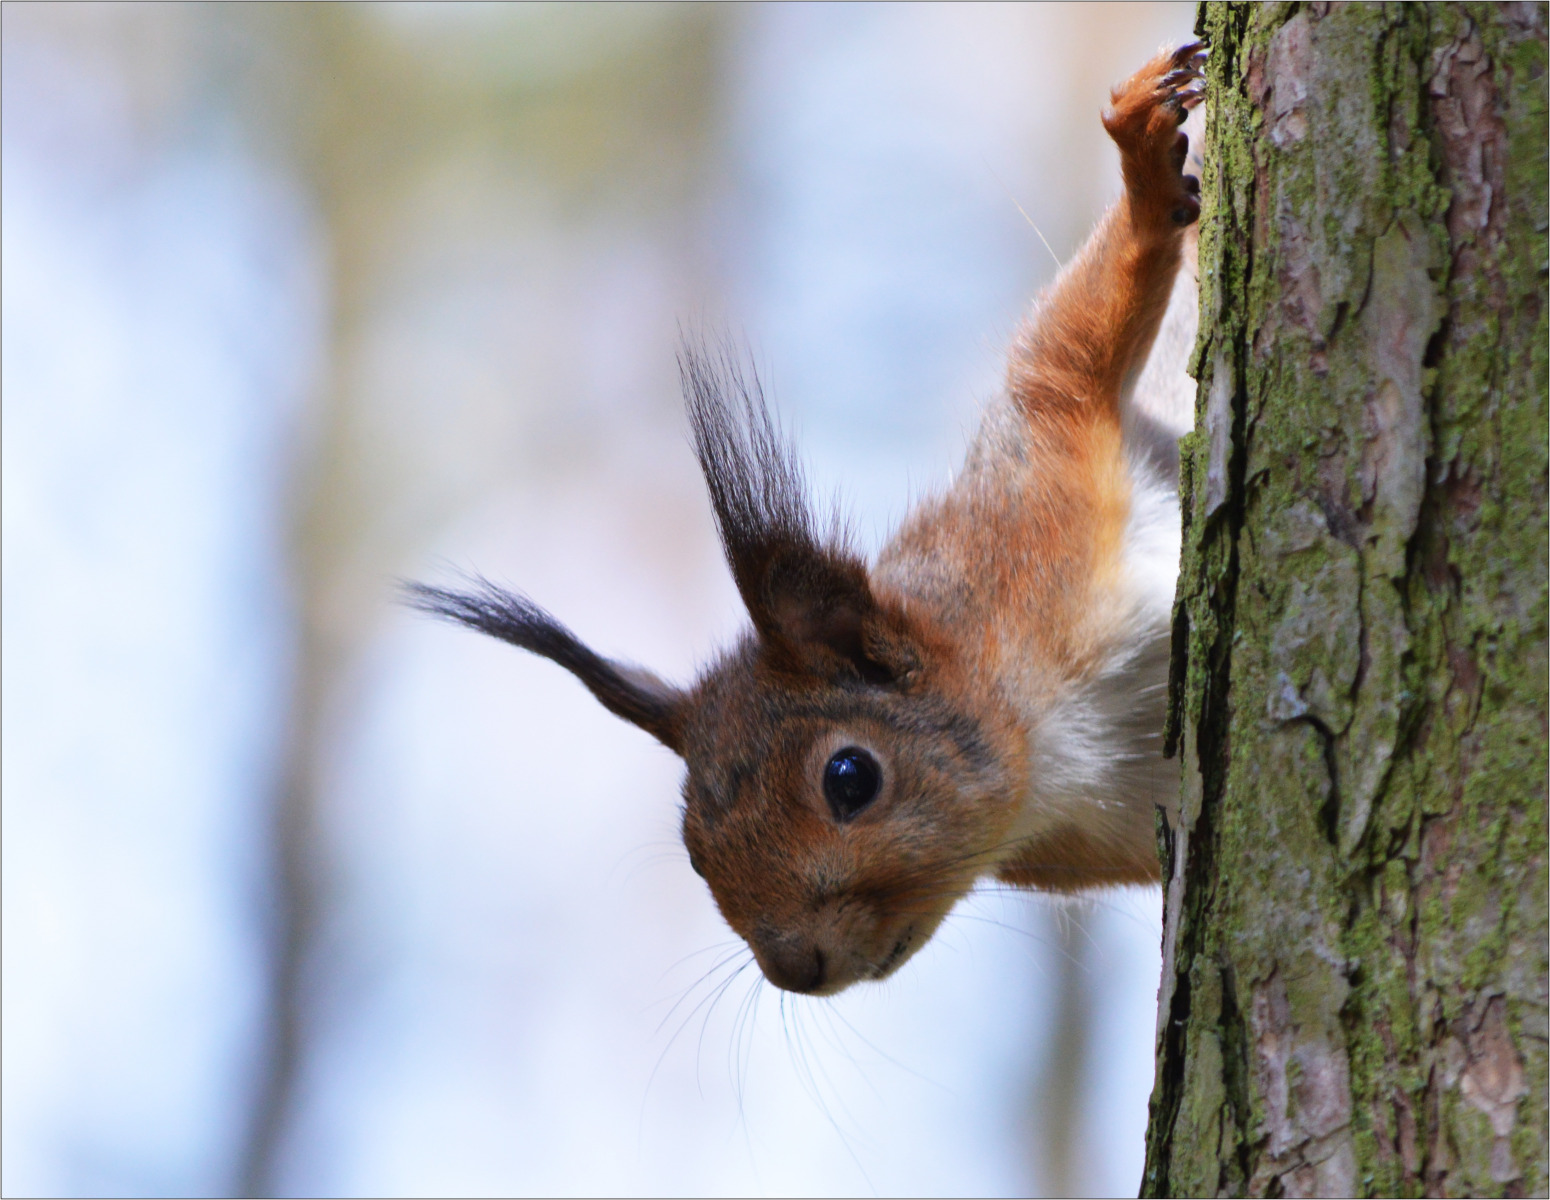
[{"x": 794, "y": 966}]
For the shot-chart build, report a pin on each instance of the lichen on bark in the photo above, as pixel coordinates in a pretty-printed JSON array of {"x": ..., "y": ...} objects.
[{"x": 1355, "y": 984}]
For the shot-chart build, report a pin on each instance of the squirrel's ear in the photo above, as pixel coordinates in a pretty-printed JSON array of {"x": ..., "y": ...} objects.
[
  {"x": 810, "y": 599},
  {"x": 625, "y": 690},
  {"x": 817, "y": 609}
]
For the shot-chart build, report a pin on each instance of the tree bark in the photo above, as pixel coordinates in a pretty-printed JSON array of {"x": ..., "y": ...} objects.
[{"x": 1354, "y": 992}]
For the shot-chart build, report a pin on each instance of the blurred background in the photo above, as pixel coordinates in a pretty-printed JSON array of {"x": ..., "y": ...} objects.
[{"x": 306, "y": 894}]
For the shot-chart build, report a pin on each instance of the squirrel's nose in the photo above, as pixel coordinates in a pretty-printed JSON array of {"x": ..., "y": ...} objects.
[{"x": 796, "y": 968}]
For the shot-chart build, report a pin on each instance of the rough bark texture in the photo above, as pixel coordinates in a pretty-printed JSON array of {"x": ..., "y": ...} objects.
[{"x": 1355, "y": 977}]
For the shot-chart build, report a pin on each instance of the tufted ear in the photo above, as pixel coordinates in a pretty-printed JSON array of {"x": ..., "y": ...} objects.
[
  {"x": 625, "y": 690},
  {"x": 810, "y": 598},
  {"x": 815, "y": 609}
]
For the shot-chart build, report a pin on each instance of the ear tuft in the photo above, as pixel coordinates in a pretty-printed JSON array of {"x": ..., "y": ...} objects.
[
  {"x": 755, "y": 481},
  {"x": 810, "y": 598},
  {"x": 625, "y": 690}
]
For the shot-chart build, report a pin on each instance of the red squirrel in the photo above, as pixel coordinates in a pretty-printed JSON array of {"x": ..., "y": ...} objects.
[{"x": 987, "y": 698}]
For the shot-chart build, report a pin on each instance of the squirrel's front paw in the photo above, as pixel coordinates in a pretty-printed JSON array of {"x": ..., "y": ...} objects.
[{"x": 1144, "y": 118}]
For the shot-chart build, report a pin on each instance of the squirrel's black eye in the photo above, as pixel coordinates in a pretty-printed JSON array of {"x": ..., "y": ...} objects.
[{"x": 850, "y": 782}]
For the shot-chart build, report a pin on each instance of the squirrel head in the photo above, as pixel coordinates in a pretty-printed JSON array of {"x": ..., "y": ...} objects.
[
  {"x": 846, "y": 783},
  {"x": 836, "y": 818}
]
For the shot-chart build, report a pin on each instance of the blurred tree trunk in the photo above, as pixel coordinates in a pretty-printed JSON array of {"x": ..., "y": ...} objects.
[
  {"x": 368, "y": 118},
  {"x": 1354, "y": 983}
]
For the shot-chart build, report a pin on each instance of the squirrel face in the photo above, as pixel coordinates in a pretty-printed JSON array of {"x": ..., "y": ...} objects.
[
  {"x": 837, "y": 821},
  {"x": 847, "y": 780}
]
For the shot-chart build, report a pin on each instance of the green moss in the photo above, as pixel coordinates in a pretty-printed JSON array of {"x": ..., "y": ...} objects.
[{"x": 1363, "y": 688}]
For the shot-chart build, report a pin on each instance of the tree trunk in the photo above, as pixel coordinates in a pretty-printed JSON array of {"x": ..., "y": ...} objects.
[{"x": 1354, "y": 989}]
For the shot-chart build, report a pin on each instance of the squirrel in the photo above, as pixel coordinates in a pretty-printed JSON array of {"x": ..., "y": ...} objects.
[{"x": 987, "y": 698}]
